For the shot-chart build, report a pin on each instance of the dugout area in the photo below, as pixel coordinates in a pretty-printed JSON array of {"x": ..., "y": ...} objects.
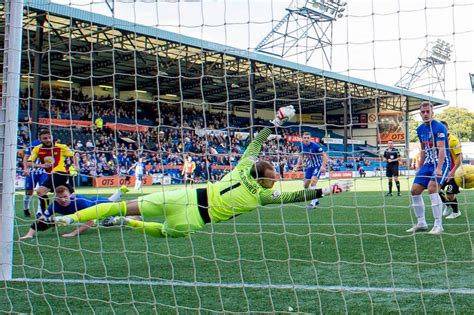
[{"x": 68, "y": 47}]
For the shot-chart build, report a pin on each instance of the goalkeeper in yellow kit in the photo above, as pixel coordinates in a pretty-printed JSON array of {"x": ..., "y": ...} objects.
[{"x": 188, "y": 210}]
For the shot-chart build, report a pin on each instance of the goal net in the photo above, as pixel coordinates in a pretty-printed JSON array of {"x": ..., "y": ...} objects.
[{"x": 161, "y": 99}]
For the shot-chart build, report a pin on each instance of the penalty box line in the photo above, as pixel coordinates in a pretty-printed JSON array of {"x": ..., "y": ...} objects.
[{"x": 299, "y": 287}]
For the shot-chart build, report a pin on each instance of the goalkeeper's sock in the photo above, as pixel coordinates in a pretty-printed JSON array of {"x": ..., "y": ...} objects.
[
  {"x": 437, "y": 208},
  {"x": 419, "y": 208},
  {"x": 454, "y": 205},
  {"x": 100, "y": 211},
  {"x": 390, "y": 185},
  {"x": 398, "y": 186},
  {"x": 154, "y": 229}
]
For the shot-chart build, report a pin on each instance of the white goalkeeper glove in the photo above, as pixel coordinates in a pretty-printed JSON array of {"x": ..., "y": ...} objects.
[
  {"x": 338, "y": 187},
  {"x": 283, "y": 115}
]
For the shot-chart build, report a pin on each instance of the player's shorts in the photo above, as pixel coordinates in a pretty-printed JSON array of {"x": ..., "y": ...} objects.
[
  {"x": 57, "y": 179},
  {"x": 311, "y": 172},
  {"x": 392, "y": 170},
  {"x": 33, "y": 179},
  {"x": 178, "y": 207},
  {"x": 451, "y": 187},
  {"x": 139, "y": 177},
  {"x": 425, "y": 175}
]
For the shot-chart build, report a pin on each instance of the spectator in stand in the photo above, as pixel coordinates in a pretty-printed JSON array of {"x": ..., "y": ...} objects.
[{"x": 89, "y": 145}]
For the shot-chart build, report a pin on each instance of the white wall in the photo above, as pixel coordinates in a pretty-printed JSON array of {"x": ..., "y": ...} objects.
[{"x": 367, "y": 134}]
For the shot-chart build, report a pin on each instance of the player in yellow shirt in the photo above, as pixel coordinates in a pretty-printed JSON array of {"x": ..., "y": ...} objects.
[
  {"x": 450, "y": 189},
  {"x": 188, "y": 171},
  {"x": 51, "y": 158},
  {"x": 187, "y": 210}
]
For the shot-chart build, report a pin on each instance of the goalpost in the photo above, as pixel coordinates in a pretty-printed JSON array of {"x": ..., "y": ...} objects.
[
  {"x": 163, "y": 82},
  {"x": 8, "y": 130}
]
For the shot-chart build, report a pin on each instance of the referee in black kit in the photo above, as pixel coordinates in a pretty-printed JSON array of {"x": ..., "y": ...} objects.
[{"x": 392, "y": 156}]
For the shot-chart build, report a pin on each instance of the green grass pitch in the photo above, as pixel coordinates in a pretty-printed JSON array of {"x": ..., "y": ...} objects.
[{"x": 350, "y": 255}]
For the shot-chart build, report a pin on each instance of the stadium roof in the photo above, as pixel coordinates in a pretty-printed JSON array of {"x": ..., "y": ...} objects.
[{"x": 92, "y": 49}]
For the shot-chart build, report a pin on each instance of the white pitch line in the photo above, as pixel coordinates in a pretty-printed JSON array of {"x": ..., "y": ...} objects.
[{"x": 466, "y": 291}]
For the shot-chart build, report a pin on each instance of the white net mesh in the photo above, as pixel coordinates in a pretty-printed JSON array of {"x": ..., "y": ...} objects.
[{"x": 165, "y": 96}]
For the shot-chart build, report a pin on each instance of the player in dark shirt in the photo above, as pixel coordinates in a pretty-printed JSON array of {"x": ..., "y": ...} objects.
[{"x": 392, "y": 156}]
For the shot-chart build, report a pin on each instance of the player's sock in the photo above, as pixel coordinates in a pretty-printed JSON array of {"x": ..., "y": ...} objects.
[
  {"x": 442, "y": 195},
  {"x": 27, "y": 202},
  {"x": 437, "y": 208},
  {"x": 398, "y": 185},
  {"x": 154, "y": 229},
  {"x": 454, "y": 205},
  {"x": 390, "y": 185},
  {"x": 419, "y": 208},
  {"x": 100, "y": 211},
  {"x": 44, "y": 202},
  {"x": 314, "y": 202},
  {"x": 116, "y": 196}
]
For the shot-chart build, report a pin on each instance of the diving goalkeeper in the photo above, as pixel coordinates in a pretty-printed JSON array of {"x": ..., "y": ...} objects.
[{"x": 188, "y": 210}]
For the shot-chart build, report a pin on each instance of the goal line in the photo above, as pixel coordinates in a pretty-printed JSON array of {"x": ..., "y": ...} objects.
[{"x": 299, "y": 287}]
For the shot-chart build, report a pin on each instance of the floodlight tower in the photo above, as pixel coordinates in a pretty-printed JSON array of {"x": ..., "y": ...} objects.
[
  {"x": 111, "y": 5},
  {"x": 304, "y": 29},
  {"x": 429, "y": 70}
]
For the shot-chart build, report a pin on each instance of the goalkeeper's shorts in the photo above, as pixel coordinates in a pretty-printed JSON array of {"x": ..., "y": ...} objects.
[{"x": 180, "y": 209}]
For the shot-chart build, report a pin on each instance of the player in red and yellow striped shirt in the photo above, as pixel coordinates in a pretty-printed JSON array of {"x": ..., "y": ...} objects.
[{"x": 51, "y": 158}]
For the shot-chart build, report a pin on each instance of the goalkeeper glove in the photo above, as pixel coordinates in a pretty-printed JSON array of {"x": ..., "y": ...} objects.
[
  {"x": 338, "y": 187},
  {"x": 283, "y": 115}
]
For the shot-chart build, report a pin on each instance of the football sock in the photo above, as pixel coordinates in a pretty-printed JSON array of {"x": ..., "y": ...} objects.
[
  {"x": 442, "y": 195},
  {"x": 27, "y": 202},
  {"x": 154, "y": 229},
  {"x": 419, "y": 208},
  {"x": 100, "y": 211},
  {"x": 398, "y": 185},
  {"x": 437, "y": 208},
  {"x": 116, "y": 196},
  {"x": 390, "y": 185},
  {"x": 314, "y": 201},
  {"x": 44, "y": 202},
  {"x": 454, "y": 205}
]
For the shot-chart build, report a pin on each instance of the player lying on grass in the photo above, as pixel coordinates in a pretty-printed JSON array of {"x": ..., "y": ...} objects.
[
  {"x": 188, "y": 210},
  {"x": 67, "y": 203}
]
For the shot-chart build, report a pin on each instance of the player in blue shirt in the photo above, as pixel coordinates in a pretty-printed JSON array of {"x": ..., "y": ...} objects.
[
  {"x": 33, "y": 176},
  {"x": 315, "y": 161},
  {"x": 435, "y": 164},
  {"x": 67, "y": 203}
]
